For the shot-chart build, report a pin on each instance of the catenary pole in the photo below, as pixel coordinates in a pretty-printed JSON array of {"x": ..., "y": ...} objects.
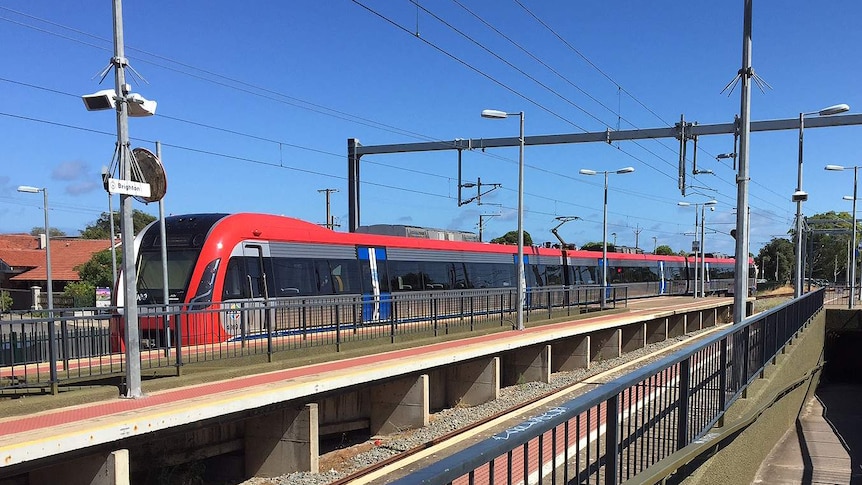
[{"x": 740, "y": 290}]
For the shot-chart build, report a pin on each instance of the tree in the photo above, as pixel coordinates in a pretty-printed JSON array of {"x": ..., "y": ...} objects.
[
  {"x": 511, "y": 237},
  {"x": 98, "y": 271},
  {"x": 101, "y": 229},
  {"x": 41, "y": 230},
  {"x": 664, "y": 250},
  {"x": 776, "y": 260},
  {"x": 826, "y": 245}
]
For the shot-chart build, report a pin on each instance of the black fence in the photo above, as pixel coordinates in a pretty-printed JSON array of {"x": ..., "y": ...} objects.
[
  {"x": 614, "y": 432},
  {"x": 45, "y": 350}
]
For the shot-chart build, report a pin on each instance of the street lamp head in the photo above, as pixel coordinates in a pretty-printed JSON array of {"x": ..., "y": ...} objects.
[
  {"x": 626, "y": 170},
  {"x": 799, "y": 196},
  {"x": 847, "y": 197},
  {"x": 710, "y": 202},
  {"x": 683, "y": 204},
  {"x": 29, "y": 189},
  {"x": 100, "y": 100},
  {"x": 834, "y": 110},
  {"x": 138, "y": 106},
  {"x": 586, "y": 171},
  {"x": 493, "y": 113},
  {"x": 834, "y": 167}
]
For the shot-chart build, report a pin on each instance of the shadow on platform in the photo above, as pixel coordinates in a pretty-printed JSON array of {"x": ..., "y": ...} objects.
[{"x": 825, "y": 447}]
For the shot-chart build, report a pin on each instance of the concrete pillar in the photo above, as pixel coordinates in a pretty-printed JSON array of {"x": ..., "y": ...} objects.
[
  {"x": 656, "y": 330},
  {"x": 571, "y": 354},
  {"x": 400, "y": 404},
  {"x": 282, "y": 442},
  {"x": 675, "y": 325},
  {"x": 35, "y": 292},
  {"x": 633, "y": 337},
  {"x": 606, "y": 344},
  {"x": 527, "y": 364},
  {"x": 473, "y": 383},
  {"x": 100, "y": 469}
]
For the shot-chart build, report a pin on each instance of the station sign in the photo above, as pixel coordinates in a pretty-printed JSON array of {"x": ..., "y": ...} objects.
[{"x": 127, "y": 187}]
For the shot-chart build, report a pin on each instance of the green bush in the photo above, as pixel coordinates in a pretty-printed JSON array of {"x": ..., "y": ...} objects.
[
  {"x": 5, "y": 301},
  {"x": 82, "y": 293}
]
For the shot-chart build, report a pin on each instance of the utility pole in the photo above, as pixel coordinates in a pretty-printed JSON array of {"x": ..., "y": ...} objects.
[
  {"x": 654, "y": 244},
  {"x": 330, "y": 221},
  {"x": 637, "y": 231}
]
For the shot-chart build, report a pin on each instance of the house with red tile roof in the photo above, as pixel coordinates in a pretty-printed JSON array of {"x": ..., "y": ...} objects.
[{"x": 23, "y": 263}]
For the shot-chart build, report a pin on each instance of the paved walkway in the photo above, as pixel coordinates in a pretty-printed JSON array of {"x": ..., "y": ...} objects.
[{"x": 825, "y": 447}]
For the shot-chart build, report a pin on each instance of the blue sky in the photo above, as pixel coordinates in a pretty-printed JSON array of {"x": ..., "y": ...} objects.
[{"x": 256, "y": 102}]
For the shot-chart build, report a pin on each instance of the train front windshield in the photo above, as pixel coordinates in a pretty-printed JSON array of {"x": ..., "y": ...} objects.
[{"x": 151, "y": 281}]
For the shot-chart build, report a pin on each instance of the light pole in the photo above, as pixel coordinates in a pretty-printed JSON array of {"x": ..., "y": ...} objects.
[
  {"x": 703, "y": 275},
  {"x": 126, "y": 104},
  {"x": 585, "y": 171},
  {"x": 52, "y": 350},
  {"x": 699, "y": 247},
  {"x": 853, "y": 230},
  {"x": 522, "y": 285},
  {"x": 801, "y": 196}
]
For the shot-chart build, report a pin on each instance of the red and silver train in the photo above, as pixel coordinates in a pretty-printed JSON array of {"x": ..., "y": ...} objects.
[{"x": 214, "y": 260}]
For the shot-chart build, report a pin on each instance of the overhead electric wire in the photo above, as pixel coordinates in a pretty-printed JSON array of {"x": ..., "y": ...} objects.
[{"x": 326, "y": 111}]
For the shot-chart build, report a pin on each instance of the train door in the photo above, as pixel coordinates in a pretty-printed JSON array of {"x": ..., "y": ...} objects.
[
  {"x": 254, "y": 317},
  {"x": 376, "y": 297}
]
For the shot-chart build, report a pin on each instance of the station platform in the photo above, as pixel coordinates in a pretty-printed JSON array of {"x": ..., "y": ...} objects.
[{"x": 48, "y": 434}]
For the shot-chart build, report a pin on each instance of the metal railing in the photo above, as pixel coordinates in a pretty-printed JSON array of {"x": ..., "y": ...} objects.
[
  {"x": 88, "y": 342},
  {"x": 612, "y": 433}
]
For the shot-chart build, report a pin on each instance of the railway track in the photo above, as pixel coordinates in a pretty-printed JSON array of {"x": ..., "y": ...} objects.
[{"x": 389, "y": 468}]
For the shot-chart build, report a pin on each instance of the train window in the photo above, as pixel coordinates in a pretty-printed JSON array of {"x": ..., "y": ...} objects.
[
  {"x": 293, "y": 277},
  {"x": 405, "y": 276},
  {"x": 233, "y": 280},
  {"x": 460, "y": 276},
  {"x": 480, "y": 275},
  {"x": 586, "y": 275},
  {"x": 180, "y": 264},
  {"x": 554, "y": 275},
  {"x": 534, "y": 275},
  {"x": 345, "y": 276},
  {"x": 323, "y": 277},
  {"x": 437, "y": 275},
  {"x": 503, "y": 275}
]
